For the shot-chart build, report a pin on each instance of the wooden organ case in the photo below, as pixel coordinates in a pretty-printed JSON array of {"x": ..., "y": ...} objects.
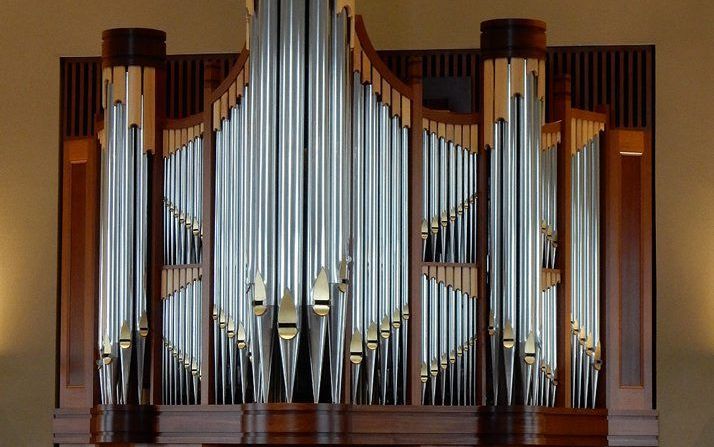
[{"x": 318, "y": 258}]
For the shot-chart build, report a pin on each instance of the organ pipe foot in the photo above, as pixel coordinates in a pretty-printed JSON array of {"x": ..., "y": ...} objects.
[
  {"x": 288, "y": 330},
  {"x": 495, "y": 345},
  {"x": 385, "y": 333},
  {"x": 318, "y": 332},
  {"x": 336, "y": 330}
]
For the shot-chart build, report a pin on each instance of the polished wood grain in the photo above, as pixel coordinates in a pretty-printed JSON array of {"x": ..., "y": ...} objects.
[
  {"x": 521, "y": 38},
  {"x": 310, "y": 424},
  {"x": 415, "y": 241},
  {"x": 156, "y": 253},
  {"x": 370, "y": 54},
  {"x": 232, "y": 76},
  {"x": 212, "y": 78},
  {"x": 78, "y": 271},
  {"x": 628, "y": 271},
  {"x": 563, "y": 112},
  {"x": 134, "y": 46},
  {"x": 628, "y": 420}
]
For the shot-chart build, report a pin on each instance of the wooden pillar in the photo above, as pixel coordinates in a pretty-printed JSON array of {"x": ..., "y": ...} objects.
[
  {"x": 627, "y": 270},
  {"x": 211, "y": 78},
  {"x": 562, "y": 111},
  {"x": 482, "y": 307},
  {"x": 415, "y": 241},
  {"x": 79, "y": 252}
]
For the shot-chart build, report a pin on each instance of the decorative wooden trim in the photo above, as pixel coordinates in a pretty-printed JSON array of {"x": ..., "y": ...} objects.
[
  {"x": 550, "y": 135},
  {"x": 134, "y": 46},
  {"x": 460, "y": 128},
  {"x": 177, "y": 133},
  {"x": 237, "y": 68},
  {"x": 632, "y": 428},
  {"x": 79, "y": 246},
  {"x": 134, "y": 93},
  {"x": 210, "y": 118},
  {"x": 563, "y": 112},
  {"x": 414, "y": 115},
  {"x": 310, "y": 424},
  {"x": 183, "y": 123},
  {"x": 462, "y": 277},
  {"x": 627, "y": 239},
  {"x": 522, "y": 38},
  {"x": 149, "y": 124},
  {"x": 372, "y": 59}
]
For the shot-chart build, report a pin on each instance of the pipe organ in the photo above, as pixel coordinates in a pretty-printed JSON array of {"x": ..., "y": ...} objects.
[{"x": 318, "y": 236}]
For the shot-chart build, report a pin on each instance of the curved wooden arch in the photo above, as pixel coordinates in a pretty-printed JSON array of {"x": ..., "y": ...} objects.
[
  {"x": 230, "y": 89},
  {"x": 393, "y": 91},
  {"x": 233, "y": 74},
  {"x": 460, "y": 128},
  {"x": 178, "y": 132},
  {"x": 374, "y": 61}
]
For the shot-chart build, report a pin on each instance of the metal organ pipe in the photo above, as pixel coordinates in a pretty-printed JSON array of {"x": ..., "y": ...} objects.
[
  {"x": 351, "y": 258},
  {"x": 448, "y": 370},
  {"x": 181, "y": 283},
  {"x": 513, "y": 116},
  {"x": 127, "y": 142},
  {"x": 585, "y": 249}
]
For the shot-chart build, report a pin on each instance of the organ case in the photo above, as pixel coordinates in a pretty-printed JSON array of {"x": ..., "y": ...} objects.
[{"x": 317, "y": 235}]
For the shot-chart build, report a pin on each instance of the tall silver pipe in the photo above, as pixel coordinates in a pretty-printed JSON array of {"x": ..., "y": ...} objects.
[
  {"x": 290, "y": 200},
  {"x": 433, "y": 338},
  {"x": 443, "y": 198},
  {"x": 425, "y": 337},
  {"x": 494, "y": 256},
  {"x": 318, "y": 203},
  {"x": 404, "y": 247},
  {"x": 396, "y": 252},
  {"x": 434, "y": 193},
  {"x": 425, "y": 202},
  {"x": 343, "y": 152},
  {"x": 357, "y": 284}
]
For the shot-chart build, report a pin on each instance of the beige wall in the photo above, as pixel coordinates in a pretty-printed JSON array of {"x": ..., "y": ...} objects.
[{"x": 35, "y": 34}]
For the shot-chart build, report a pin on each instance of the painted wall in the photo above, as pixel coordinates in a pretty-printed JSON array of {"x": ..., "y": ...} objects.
[{"x": 35, "y": 34}]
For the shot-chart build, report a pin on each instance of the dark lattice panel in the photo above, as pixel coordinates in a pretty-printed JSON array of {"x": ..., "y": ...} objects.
[
  {"x": 620, "y": 76},
  {"x": 80, "y": 94},
  {"x": 457, "y": 68}
]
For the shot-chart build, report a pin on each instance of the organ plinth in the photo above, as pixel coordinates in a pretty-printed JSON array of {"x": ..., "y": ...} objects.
[{"x": 317, "y": 257}]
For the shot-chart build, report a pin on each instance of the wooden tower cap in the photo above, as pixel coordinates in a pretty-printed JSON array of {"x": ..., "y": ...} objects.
[
  {"x": 134, "y": 46},
  {"x": 513, "y": 38}
]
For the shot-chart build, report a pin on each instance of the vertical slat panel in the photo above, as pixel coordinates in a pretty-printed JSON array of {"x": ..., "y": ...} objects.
[
  {"x": 81, "y": 102},
  {"x": 72, "y": 96}
]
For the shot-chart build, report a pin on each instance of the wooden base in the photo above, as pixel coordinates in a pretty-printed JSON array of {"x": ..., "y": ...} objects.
[{"x": 307, "y": 424}]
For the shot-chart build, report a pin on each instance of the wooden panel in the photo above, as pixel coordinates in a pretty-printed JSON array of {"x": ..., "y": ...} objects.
[
  {"x": 325, "y": 424},
  {"x": 630, "y": 271},
  {"x": 632, "y": 428},
  {"x": 78, "y": 272},
  {"x": 627, "y": 236}
]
